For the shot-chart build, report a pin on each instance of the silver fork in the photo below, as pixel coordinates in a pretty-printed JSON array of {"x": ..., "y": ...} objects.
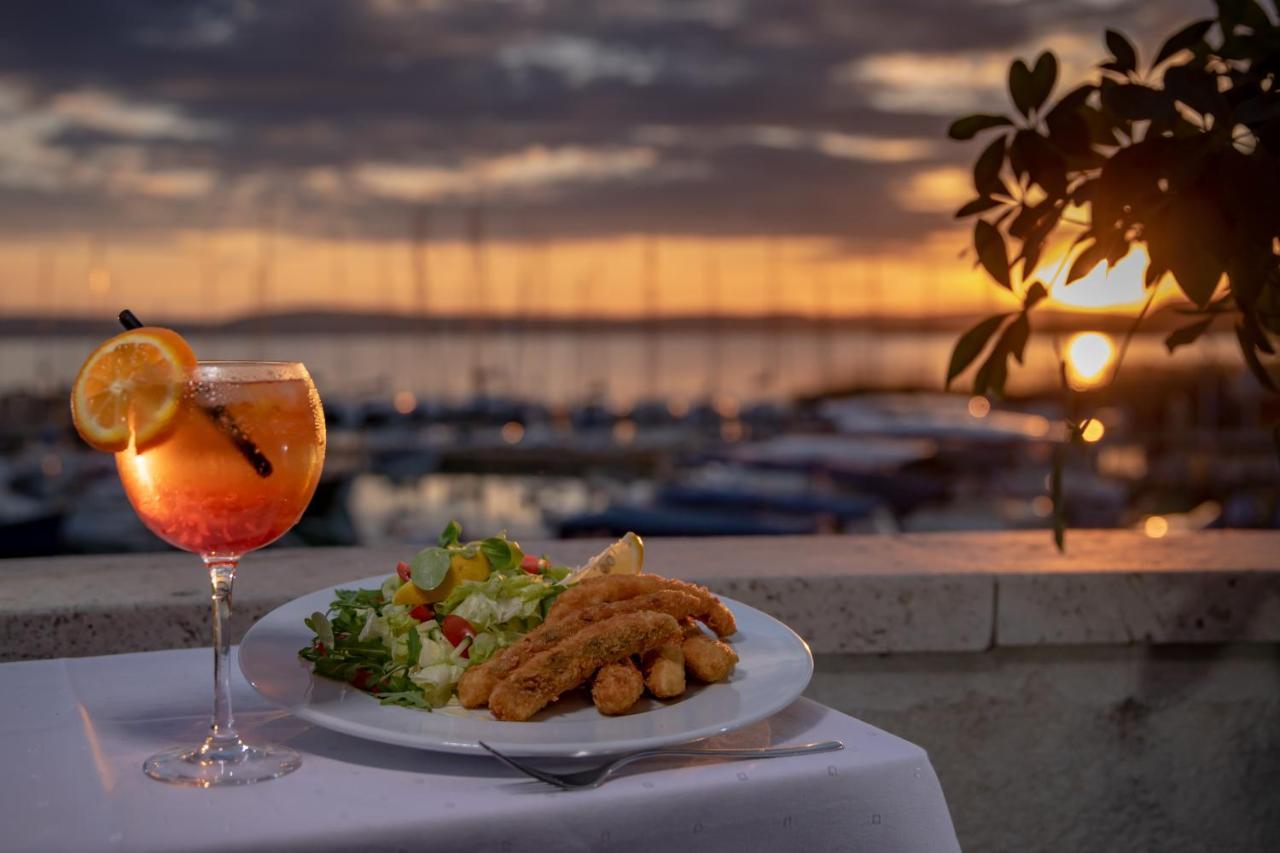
[{"x": 597, "y": 775}]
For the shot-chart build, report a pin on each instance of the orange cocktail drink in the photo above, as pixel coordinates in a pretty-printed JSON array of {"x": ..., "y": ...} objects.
[
  {"x": 238, "y": 465},
  {"x": 219, "y": 458}
]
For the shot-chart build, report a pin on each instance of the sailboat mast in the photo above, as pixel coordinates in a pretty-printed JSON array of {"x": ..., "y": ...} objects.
[
  {"x": 263, "y": 269},
  {"x": 480, "y": 289},
  {"x": 826, "y": 326},
  {"x": 650, "y": 288},
  {"x": 715, "y": 317}
]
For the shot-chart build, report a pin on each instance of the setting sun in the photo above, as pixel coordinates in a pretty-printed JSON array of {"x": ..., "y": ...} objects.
[{"x": 1089, "y": 355}]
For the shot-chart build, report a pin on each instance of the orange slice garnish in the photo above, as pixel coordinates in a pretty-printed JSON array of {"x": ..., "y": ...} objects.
[{"x": 130, "y": 388}]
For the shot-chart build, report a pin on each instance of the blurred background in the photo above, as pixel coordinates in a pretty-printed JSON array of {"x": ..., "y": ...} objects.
[{"x": 683, "y": 267}]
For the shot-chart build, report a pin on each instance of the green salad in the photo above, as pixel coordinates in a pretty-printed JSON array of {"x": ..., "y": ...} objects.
[{"x": 451, "y": 607}]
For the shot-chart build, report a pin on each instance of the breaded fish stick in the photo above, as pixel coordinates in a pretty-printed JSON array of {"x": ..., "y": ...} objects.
[
  {"x": 542, "y": 678},
  {"x": 707, "y": 659},
  {"x": 664, "y": 671},
  {"x": 617, "y": 687},
  {"x": 619, "y": 587},
  {"x": 478, "y": 681}
]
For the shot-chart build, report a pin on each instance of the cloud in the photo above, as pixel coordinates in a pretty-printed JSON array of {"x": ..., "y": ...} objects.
[
  {"x": 533, "y": 168},
  {"x": 103, "y": 111},
  {"x": 583, "y": 117},
  {"x": 938, "y": 190},
  {"x": 949, "y": 84}
]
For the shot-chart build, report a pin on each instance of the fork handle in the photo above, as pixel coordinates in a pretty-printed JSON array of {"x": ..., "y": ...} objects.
[{"x": 751, "y": 752}]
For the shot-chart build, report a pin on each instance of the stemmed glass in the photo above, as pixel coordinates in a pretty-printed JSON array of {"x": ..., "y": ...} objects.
[{"x": 233, "y": 474}]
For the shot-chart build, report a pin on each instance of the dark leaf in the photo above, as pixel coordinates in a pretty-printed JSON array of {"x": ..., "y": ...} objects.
[
  {"x": 989, "y": 245},
  {"x": 1031, "y": 155},
  {"x": 986, "y": 171},
  {"x": 1251, "y": 359},
  {"x": 991, "y": 376},
  {"x": 978, "y": 205},
  {"x": 1092, "y": 255},
  {"x": 1129, "y": 180},
  {"x": 1043, "y": 76},
  {"x": 1135, "y": 102},
  {"x": 1117, "y": 248},
  {"x": 1185, "y": 238},
  {"x": 1153, "y": 274},
  {"x": 1123, "y": 51},
  {"x": 1014, "y": 339},
  {"x": 971, "y": 345},
  {"x": 1031, "y": 250},
  {"x": 1102, "y": 130},
  {"x": 1034, "y": 294},
  {"x": 1260, "y": 109},
  {"x": 1027, "y": 217},
  {"x": 1022, "y": 87},
  {"x": 1197, "y": 88},
  {"x": 1187, "y": 334},
  {"x": 1084, "y": 192},
  {"x": 970, "y": 126},
  {"x": 1233, "y": 13},
  {"x": 1184, "y": 39},
  {"x": 1247, "y": 273},
  {"x": 1256, "y": 334},
  {"x": 1069, "y": 131}
]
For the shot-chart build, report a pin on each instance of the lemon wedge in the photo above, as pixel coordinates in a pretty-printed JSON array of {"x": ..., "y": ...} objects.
[{"x": 624, "y": 557}]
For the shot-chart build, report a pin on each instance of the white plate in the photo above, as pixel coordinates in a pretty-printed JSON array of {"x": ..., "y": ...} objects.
[{"x": 773, "y": 670}]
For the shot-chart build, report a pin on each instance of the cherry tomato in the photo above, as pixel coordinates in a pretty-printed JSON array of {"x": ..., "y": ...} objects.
[
  {"x": 402, "y": 570},
  {"x": 422, "y": 613},
  {"x": 455, "y": 629},
  {"x": 361, "y": 679},
  {"x": 319, "y": 647},
  {"x": 531, "y": 564}
]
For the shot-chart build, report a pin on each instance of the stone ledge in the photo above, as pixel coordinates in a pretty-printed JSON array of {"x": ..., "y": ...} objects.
[{"x": 849, "y": 594}]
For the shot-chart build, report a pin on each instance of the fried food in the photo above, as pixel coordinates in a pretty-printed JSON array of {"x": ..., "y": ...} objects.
[
  {"x": 617, "y": 687},
  {"x": 609, "y": 588},
  {"x": 664, "y": 671},
  {"x": 479, "y": 681},
  {"x": 541, "y": 679},
  {"x": 706, "y": 658}
]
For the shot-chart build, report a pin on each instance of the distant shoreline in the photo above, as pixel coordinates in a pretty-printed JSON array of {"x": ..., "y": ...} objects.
[{"x": 358, "y": 323}]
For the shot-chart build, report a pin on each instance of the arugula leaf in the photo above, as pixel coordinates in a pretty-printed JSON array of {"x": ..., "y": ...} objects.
[
  {"x": 429, "y": 567},
  {"x": 407, "y": 698},
  {"x": 319, "y": 623},
  {"x": 451, "y": 535}
]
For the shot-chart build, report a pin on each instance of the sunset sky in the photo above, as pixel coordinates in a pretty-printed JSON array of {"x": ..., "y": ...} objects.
[{"x": 216, "y": 158}]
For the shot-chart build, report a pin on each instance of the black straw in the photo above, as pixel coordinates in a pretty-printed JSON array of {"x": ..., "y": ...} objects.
[{"x": 220, "y": 416}]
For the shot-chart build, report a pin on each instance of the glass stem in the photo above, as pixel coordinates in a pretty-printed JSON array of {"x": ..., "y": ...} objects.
[{"x": 222, "y": 744}]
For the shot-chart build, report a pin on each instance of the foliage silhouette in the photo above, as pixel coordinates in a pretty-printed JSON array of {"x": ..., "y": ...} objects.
[{"x": 1181, "y": 157}]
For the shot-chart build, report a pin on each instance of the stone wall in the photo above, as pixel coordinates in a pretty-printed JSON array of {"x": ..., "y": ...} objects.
[{"x": 1124, "y": 696}]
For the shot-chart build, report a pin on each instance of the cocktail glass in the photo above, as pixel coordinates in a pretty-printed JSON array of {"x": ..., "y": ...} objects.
[{"x": 233, "y": 474}]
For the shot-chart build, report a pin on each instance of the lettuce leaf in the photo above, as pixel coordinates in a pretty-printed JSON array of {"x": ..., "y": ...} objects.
[{"x": 503, "y": 602}]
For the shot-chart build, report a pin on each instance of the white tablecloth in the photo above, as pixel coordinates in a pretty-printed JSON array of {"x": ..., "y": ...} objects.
[{"x": 74, "y": 733}]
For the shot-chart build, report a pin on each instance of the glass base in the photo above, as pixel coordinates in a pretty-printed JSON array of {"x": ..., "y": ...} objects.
[{"x": 212, "y": 764}]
